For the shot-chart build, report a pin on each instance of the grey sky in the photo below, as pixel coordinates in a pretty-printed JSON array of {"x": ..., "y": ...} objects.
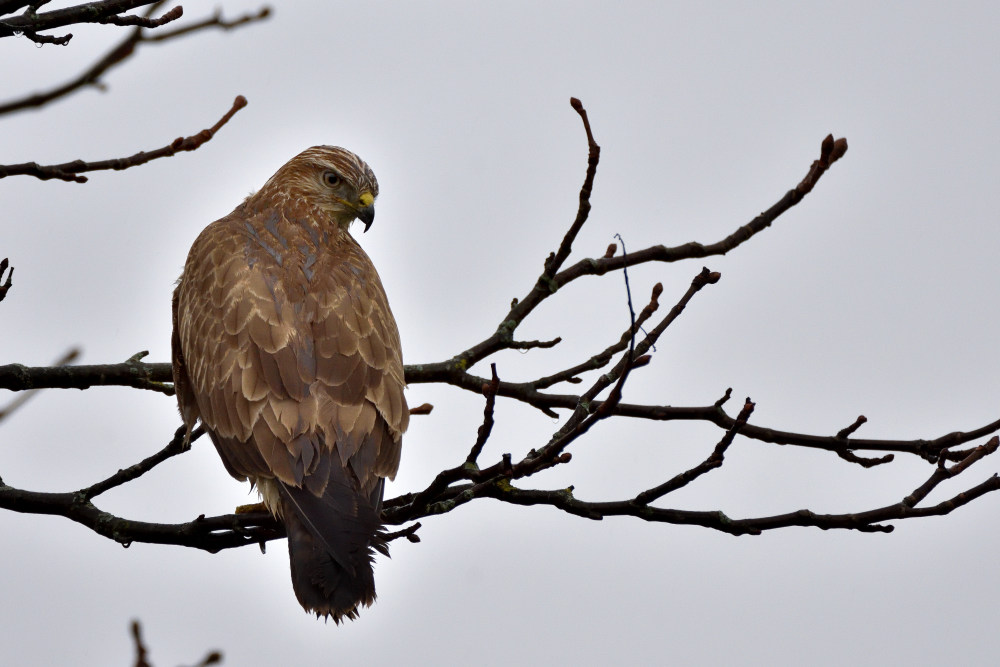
[{"x": 874, "y": 296}]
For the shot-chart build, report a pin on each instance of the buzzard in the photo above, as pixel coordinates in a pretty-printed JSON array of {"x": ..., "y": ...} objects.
[{"x": 286, "y": 350}]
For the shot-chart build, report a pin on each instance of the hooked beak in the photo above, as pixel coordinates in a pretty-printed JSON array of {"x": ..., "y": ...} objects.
[
  {"x": 367, "y": 216},
  {"x": 366, "y": 212}
]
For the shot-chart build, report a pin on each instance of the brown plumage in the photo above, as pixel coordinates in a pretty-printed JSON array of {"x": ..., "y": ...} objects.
[{"x": 284, "y": 346}]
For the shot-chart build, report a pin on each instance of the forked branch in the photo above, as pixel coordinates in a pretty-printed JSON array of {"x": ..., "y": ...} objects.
[
  {"x": 603, "y": 375},
  {"x": 30, "y": 24}
]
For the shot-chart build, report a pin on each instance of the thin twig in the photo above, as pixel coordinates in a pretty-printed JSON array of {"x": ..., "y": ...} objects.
[
  {"x": 490, "y": 392},
  {"x": 470, "y": 468},
  {"x": 943, "y": 472},
  {"x": 534, "y": 344},
  {"x": 714, "y": 460},
  {"x": 547, "y": 284},
  {"x": 556, "y": 259},
  {"x": 141, "y": 652},
  {"x": 176, "y": 446},
  {"x": 603, "y": 358},
  {"x": 145, "y": 21},
  {"x": 120, "y": 53},
  {"x": 215, "y": 21},
  {"x": 70, "y": 171},
  {"x": 871, "y": 521},
  {"x": 5, "y": 285},
  {"x": 848, "y": 431}
]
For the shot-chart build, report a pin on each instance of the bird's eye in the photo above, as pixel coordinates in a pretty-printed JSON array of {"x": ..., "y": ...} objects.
[{"x": 331, "y": 178}]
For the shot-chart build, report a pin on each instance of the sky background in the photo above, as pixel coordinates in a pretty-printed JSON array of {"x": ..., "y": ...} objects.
[{"x": 874, "y": 296}]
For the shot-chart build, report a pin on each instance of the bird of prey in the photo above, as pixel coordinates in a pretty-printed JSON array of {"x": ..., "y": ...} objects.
[{"x": 286, "y": 350}]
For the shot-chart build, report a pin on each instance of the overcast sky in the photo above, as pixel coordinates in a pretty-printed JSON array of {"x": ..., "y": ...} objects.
[{"x": 874, "y": 296}]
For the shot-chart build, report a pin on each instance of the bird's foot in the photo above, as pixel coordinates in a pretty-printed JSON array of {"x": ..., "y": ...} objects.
[{"x": 255, "y": 507}]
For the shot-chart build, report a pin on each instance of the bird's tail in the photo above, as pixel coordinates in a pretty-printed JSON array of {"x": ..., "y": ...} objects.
[{"x": 331, "y": 544}]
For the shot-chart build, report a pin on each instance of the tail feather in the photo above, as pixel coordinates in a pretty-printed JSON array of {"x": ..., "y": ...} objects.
[{"x": 331, "y": 543}]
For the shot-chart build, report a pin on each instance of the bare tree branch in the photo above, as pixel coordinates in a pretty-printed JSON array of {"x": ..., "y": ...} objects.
[
  {"x": 11, "y": 6},
  {"x": 17, "y": 377},
  {"x": 120, "y": 53},
  {"x": 131, "y": 373},
  {"x": 69, "y": 171},
  {"x": 211, "y": 534},
  {"x": 31, "y": 23},
  {"x": 490, "y": 392},
  {"x": 125, "y": 475},
  {"x": 453, "y": 370},
  {"x": 142, "y": 653},
  {"x": 603, "y": 358},
  {"x": 556, "y": 259},
  {"x": 943, "y": 472},
  {"x": 24, "y": 396},
  {"x": 870, "y": 521},
  {"x": 470, "y": 480},
  {"x": 214, "y": 21},
  {"x": 145, "y": 21},
  {"x": 5, "y": 285},
  {"x": 714, "y": 461}
]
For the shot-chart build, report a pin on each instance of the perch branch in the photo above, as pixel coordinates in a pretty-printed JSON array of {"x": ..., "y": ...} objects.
[
  {"x": 131, "y": 373},
  {"x": 17, "y": 377},
  {"x": 469, "y": 481}
]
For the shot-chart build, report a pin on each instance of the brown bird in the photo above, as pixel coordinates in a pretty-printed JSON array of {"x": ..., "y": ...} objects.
[{"x": 286, "y": 350}]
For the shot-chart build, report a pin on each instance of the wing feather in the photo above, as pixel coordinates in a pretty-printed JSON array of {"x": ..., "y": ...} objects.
[{"x": 291, "y": 354}]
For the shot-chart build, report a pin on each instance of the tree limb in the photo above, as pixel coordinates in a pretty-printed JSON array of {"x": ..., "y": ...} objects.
[
  {"x": 70, "y": 171},
  {"x": 5, "y": 285},
  {"x": 155, "y": 376},
  {"x": 121, "y": 52},
  {"x": 209, "y": 534},
  {"x": 24, "y": 396},
  {"x": 470, "y": 480},
  {"x": 31, "y": 23},
  {"x": 549, "y": 282}
]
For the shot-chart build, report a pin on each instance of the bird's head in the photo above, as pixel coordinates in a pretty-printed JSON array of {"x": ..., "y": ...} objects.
[{"x": 333, "y": 179}]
